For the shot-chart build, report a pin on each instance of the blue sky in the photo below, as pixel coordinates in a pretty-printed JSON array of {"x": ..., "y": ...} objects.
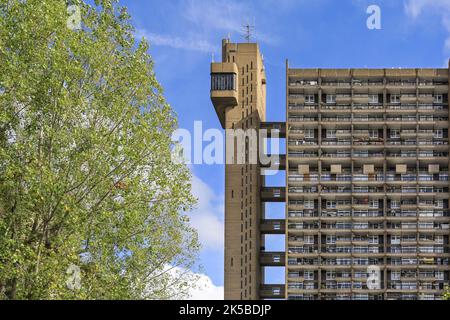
[{"x": 184, "y": 34}]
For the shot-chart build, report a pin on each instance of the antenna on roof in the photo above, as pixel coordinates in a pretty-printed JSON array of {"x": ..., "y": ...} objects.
[{"x": 248, "y": 31}]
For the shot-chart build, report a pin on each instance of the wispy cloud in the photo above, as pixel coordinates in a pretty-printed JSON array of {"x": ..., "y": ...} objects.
[
  {"x": 188, "y": 43},
  {"x": 228, "y": 17},
  {"x": 415, "y": 8},
  {"x": 207, "y": 218},
  {"x": 202, "y": 21}
]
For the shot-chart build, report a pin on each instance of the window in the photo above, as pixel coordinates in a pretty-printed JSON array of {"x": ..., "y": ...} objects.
[
  {"x": 309, "y": 98},
  {"x": 395, "y": 275},
  {"x": 309, "y": 204},
  {"x": 373, "y": 239},
  {"x": 331, "y": 134},
  {"x": 331, "y": 98},
  {"x": 373, "y": 134},
  {"x": 439, "y": 134},
  {"x": 395, "y": 204},
  {"x": 309, "y": 133},
  {"x": 395, "y": 239},
  {"x": 309, "y": 275},
  {"x": 373, "y": 98},
  {"x": 223, "y": 82},
  {"x": 276, "y": 291},
  {"x": 331, "y": 239},
  {"x": 438, "y": 98},
  {"x": 373, "y": 204},
  {"x": 331, "y": 204},
  {"x": 395, "y": 133},
  {"x": 395, "y": 98}
]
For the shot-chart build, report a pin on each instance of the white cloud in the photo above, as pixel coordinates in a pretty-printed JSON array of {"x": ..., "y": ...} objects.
[
  {"x": 206, "y": 290},
  {"x": 227, "y": 16},
  {"x": 200, "y": 286},
  {"x": 415, "y": 8},
  {"x": 188, "y": 43},
  {"x": 202, "y": 21},
  {"x": 207, "y": 218}
]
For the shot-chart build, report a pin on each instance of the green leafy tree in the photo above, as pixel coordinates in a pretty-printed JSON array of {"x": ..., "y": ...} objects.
[
  {"x": 447, "y": 293},
  {"x": 86, "y": 177}
]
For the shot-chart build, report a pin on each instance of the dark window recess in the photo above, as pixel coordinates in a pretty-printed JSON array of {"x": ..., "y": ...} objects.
[{"x": 223, "y": 81}]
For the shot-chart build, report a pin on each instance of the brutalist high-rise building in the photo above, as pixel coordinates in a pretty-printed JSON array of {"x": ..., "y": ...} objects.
[{"x": 367, "y": 182}]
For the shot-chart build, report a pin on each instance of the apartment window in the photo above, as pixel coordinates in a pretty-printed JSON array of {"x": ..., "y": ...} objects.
[
  {"x": 331, "y": 98},
  {"x": 373, "y": 239},
  {"x": 373, "y": 204},
  {"x": 330, "y": 275},
  {"x": 309, "y": 239},
  {"x": 439, "y": 134},
  {"x": 395, "y": 133},
  {"x": 395, "y": 98},
  {"x": 223, "y": 82},
  {"x": 395, "y": 275},
  {"x": 309, "y": 275},
  {"x": 395, "y": 239},
  {"x": 395, "y": 204},
  {"x": 309, "y": 133},
  {"x": 331, "y": 134},
  {"x": 309, "y": 98},
  {"x": 331, "y": 239},
  {"x": 438, "y": 98},
  {"x": 309, "y": 204},
  {"x": 373, "y": 134},
  {"x": 331, "y": 204},
  {"x": 373, "y": 98}
]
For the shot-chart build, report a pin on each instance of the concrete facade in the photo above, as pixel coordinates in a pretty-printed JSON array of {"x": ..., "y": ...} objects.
[{"x": 367, "y": 182}]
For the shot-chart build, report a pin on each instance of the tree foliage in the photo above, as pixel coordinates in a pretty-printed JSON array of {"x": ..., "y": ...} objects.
[
  {"x": 86, "y": 176},
  {"x": 446, "y": 295}
]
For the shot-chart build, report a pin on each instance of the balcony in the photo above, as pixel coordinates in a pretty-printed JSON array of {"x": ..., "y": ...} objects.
[
  {"x": 368, "y": 108},
  {"x": 357, "y": 118},
  {"x": 401, "y": 107},
  {"x": 401, "y": 119},
  {"x": 333, "y": 108},
  {"x": 310, "y": 143},
  {"x": 297, "y": 98},
  {"x": 361, "y": 98},
  {"x": 343, "y": 99},
  {"x": 302, "y": 119},
  {"x": 336, "y": 84},
  {"x": 312, "y": 83},
  {"x": 408, "y": 98},
  {"x": 336, "y": 119},
  {"x": 391, "y": 84},
  {"x": 426, "y": 98}
]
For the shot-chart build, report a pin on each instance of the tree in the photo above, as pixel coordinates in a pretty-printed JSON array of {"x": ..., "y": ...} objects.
[
  {"x": 446, "y": 295},
  {"x": 86, "y": 178}
]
